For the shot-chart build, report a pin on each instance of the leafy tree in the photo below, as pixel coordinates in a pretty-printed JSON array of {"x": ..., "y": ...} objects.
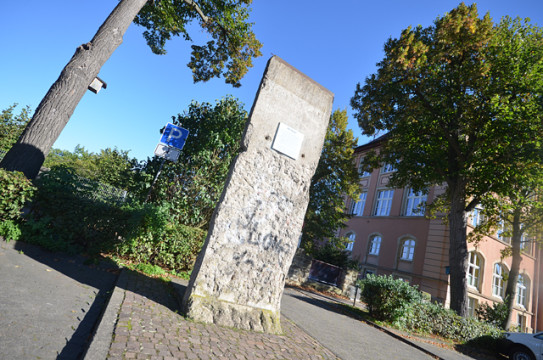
[
  {"x": 335, "y": 178},
  {"x": 11, "y": 127},
  {"x": 193, "y": 185},
  {"x": 229, "y": 53},
  {"x": 459, "y": 99},
  {"x": 110, "y": 166},
  {"x": 517, "y": 214}
]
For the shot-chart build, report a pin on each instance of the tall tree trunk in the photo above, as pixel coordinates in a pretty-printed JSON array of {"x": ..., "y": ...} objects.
[
  {"x": 58, "y": 105},
  {"x": 511, "y": 289},
  {"x": 458, "y": 249}
]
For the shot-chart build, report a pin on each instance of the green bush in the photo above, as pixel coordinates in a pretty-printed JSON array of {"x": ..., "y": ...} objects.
[
  {"x": 432, "y": 318},
  {"x": 15, "y": 191},
  {"x": 494, "y": 315},
  {"x": 175, "y": 247},
  {"x": 74, "y": 214},
  {"x": 387, "y": 298}
]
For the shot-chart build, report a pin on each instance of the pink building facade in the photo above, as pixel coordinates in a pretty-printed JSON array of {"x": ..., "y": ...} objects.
[{"x": 391, "y": 236}]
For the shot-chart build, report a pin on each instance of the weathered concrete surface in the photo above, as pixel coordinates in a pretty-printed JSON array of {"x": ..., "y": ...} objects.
[{"x": 239, "y": 276}]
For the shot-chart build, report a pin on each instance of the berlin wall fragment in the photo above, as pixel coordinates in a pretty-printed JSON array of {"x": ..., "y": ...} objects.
[{"x": 239, "y": 276}]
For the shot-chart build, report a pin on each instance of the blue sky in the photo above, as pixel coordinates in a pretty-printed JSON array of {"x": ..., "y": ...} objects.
[{"x": 337, "y": 43}]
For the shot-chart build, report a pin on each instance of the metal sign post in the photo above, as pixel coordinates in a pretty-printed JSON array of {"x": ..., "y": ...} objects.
[{"x": 169, "y": 148}]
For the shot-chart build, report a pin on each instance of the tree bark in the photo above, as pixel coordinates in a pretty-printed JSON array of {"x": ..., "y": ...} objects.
[
  {"x": 58, "y": 105},
  {"x": 511, "y": 288},
  {"x": 458, "y": 249}
]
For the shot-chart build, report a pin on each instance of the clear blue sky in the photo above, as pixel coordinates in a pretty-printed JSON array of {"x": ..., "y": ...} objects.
[{"x": 337, "y": 43}]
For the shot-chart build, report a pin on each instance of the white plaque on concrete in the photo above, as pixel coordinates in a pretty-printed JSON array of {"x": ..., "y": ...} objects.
[
  {"x": 288, "y": 141},
  {"x": 167, "y": 152}
]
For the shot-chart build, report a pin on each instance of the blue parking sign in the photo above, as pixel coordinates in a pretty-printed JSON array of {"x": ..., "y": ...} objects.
[{"x": 174, "y": 136}]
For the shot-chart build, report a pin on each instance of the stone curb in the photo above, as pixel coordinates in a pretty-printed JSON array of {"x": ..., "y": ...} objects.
[
  {"x": 383, "y": 329},
  {"x": 101, "y": 340}
]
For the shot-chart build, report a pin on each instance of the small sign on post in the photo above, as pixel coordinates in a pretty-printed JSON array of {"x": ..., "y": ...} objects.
[
  {"x": 169, "y": 148},
  {"x": 167, "y": 152}
]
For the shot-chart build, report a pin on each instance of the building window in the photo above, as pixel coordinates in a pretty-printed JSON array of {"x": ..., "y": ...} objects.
[
  {"x": 526, "y": 244},
  {"x": 375, "y": 245},
  {"x": 474, "y": 269},
  {"x": 416, "y": 203},
  {"x": 521, "y": 322},
  {"x": 407, "y": 250},
  {"x": 503, "y": 231},
  {"x": 477, "y": 217},
  {"x": 522, "y": 288},
  {"x": 361, "y": 170},
  {"x": 472, "y": 305},
  {"x": 384, "y": 202},
  {"x": 498, "y": 280},
  {"x": 358, "y": 207},
  {"x": 388, "y": 168},
  {"x": 351, "y": 236}
]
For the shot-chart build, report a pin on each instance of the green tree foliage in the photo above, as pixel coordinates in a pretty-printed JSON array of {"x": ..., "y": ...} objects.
[
  {"x": 193, "y": 185},
  {"x": 335, "y": 178},
  {"x": 231, "y": 48},
  {"x": 517, "y": 214},
  {"x": 110, "y": 166},
  {"x": 11, "y": 127},
  {"x": 15, "y": 192},
  {"x": 228, "y": 53},
  {"x": 459, "y": 100}
]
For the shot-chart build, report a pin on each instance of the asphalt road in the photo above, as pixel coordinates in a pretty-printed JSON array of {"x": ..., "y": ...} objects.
[
  {"x": 49, "y": 303},
  {"x": 348, "y": 338}
]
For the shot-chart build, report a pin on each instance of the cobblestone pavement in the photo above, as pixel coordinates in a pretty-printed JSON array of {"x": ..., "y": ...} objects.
[{"x": 149, "y": 327}]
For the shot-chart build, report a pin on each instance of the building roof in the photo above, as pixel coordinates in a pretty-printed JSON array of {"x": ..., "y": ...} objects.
[{"x": 372, "y": 144}]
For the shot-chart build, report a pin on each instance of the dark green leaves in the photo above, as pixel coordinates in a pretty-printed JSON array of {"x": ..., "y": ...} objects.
[{"x": 232, "y": 44}]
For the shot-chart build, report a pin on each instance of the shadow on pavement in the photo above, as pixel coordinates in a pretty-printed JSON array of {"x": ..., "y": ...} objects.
[{"x": 99, "y": 274}]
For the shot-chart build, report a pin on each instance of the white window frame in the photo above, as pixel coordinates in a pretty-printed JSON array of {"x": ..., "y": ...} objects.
[
  {"x": 498, "y": 283},
  {"x": 388, "y": 168},
  {"x": 383, "y": 202},
  {"x": 522, "y": 290},
  {"x": 407, "y": 249},
  {"x": 415, "y": 204},
  {"x": 474, "y": 269},
  {"x": 502, "y": 227},
  {"x": 352, "y": 236},
  {"x": 358, "y": 206},
  {"x": 362, "y": 173},
  {"x": 477, "y": 218},
  {"x": 375, "y": 245},
  {"x": 526, "y": 244},
  {"x": 472, "y": 305}
]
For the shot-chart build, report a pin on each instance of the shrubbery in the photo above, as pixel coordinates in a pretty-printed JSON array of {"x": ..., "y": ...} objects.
[
  {"x": 75, "y": 214},
  {"x": 395, "y": 301},
  {"x": 174, "y": 248},
  {"x": 387, "y": 298},
  {"x": 434, "y": 319},
  {"x": 495, "y": 314},
  {"x": 15, "y": 191}
]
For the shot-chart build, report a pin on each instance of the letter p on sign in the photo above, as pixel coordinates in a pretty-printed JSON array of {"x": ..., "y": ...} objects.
[{"x": 174, "y": 136}]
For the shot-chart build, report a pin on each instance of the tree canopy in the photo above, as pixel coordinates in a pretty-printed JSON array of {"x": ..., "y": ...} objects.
[
  {"x": 11, "y": 127},
  {"x": 109, "y": 166},
  {"x": 460, "y": 100},
  {"x": 335, "y": 178}
]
